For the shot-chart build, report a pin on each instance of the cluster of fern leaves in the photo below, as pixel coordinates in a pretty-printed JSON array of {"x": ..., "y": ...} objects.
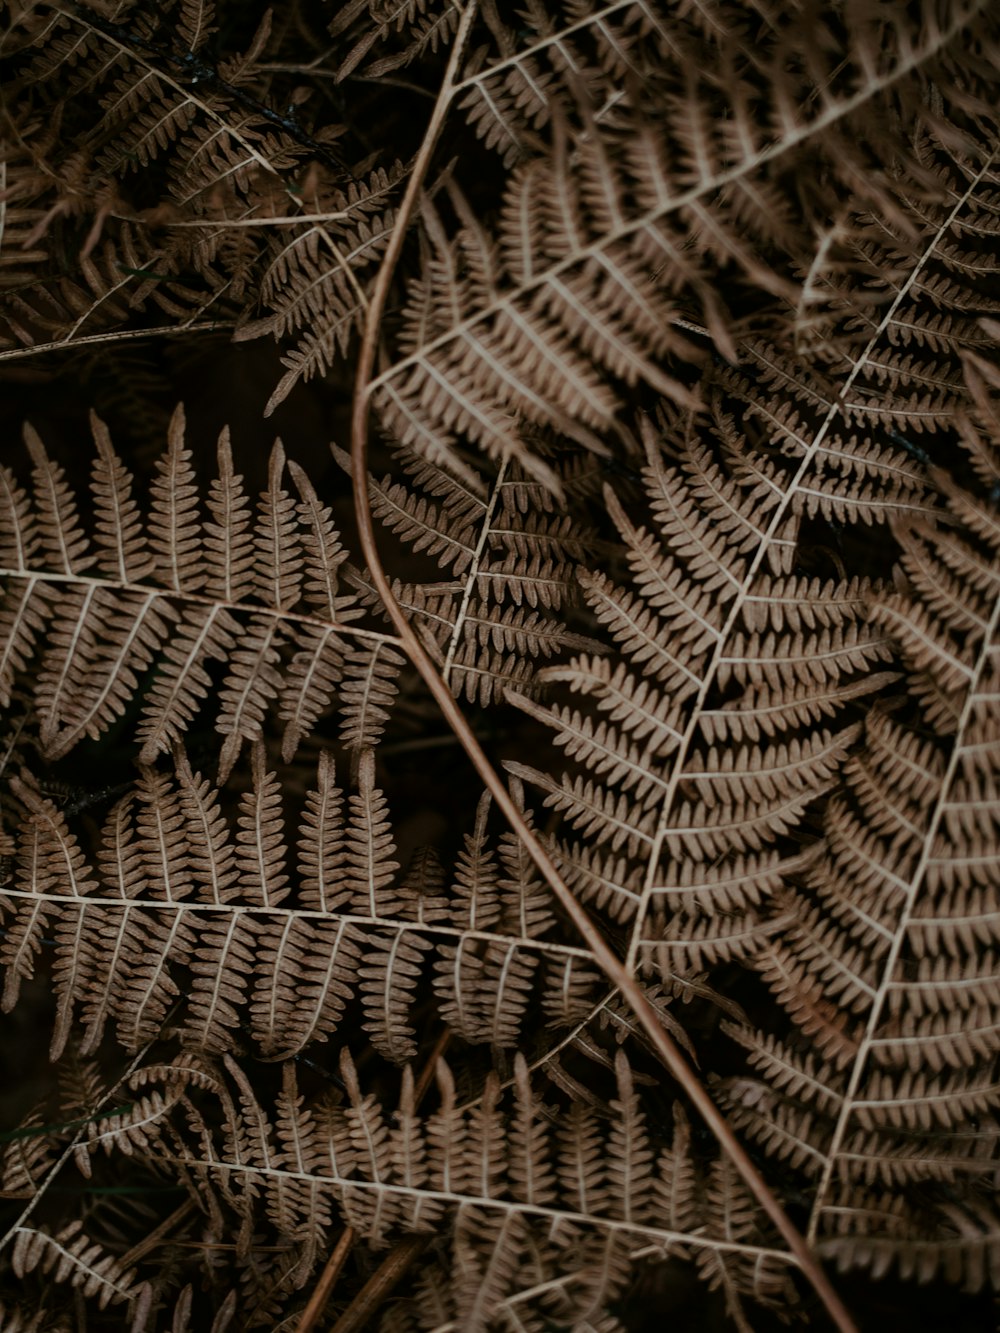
[{"x": 674, "y": 328}]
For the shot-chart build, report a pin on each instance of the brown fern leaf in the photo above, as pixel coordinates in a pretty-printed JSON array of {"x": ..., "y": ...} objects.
[
  {"x": 888, "y": 970},
  {"x": 259, "y": 593}
]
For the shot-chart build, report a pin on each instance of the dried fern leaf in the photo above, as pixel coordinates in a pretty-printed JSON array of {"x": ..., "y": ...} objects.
[{"x": 260, "y": 594}]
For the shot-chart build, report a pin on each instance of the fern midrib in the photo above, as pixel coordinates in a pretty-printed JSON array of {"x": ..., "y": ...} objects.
[
  {"x": 93, "y": 582},
  {"x": 118, "y": 335},
  {"x": 472, "y": 574},
  {"x": 182, "y": 907},
  {"x": 508, "y": 1207}
]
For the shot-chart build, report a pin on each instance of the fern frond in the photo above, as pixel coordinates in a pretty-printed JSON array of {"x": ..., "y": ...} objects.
[
  {"x": 313, "y": 279},
  {"x": 70, "y": 1256},
  {"x": 596, "y": 255},
  {"x": 738, "y": 778},
  {"x": 190, "y": 594},
  {"x": 507, "y": 1186},
  {"x": 189, "y": 913},
  {"x": 424, "y": 26},
  {"x": 896, "y": 933},
  {"x": 512, "y": 557}
]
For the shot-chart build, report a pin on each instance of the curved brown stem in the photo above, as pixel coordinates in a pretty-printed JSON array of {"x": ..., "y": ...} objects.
[{"x": 604, "y": 955}]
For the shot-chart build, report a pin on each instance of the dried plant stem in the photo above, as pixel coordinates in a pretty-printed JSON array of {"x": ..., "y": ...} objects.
[
  {"x": 390, "y": 1272},
  {"x": 115, "y": 336},
  {"x": 426, "y": 1078},
  {"x": 603, "y": 954},
  {"x": 149, "y": 1243},
  {"x": 321, "y": 1292}
]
